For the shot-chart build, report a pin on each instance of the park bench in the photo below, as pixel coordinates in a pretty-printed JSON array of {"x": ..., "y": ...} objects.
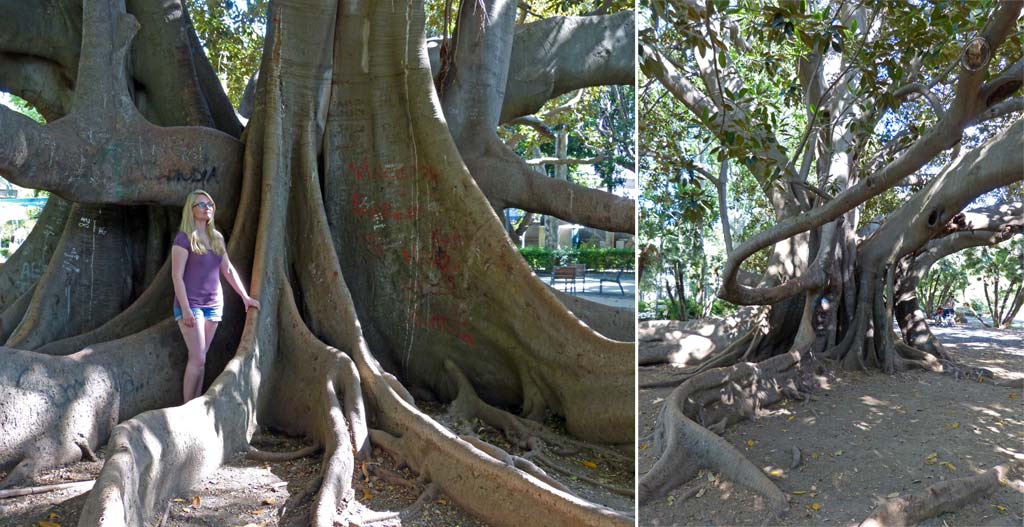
[
  {"x": 566, "y": 273},
  {"x": 616, "y": 280}
]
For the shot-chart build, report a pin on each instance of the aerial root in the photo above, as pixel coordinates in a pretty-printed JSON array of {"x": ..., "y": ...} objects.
[
  {"x": 945, "y": 496},
  {"x": 275, "y": 457}
]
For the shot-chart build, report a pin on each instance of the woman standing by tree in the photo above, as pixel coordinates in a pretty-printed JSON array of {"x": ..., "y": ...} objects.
[{"x": 198, "y": 252}]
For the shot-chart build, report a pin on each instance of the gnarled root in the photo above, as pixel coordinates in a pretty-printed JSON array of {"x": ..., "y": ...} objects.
[
  {"x": 718, "y": 396},
  {"x": 945, "y": 496},
  {"x": 521, "y": 432}
]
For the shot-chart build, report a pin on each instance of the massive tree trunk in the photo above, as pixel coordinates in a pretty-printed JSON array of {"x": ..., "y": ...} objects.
[
  {"x": 831, "y": 293},
  {"x": 339, "y": 196}
]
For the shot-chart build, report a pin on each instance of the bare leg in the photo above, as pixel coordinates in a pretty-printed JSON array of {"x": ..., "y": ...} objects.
[
  {"x": 194, "y": 340},
  {"x": 209, "y": 328}
]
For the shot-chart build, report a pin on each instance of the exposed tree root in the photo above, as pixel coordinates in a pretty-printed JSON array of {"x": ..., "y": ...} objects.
[
  {"x": 14, "y": 493},
  {"x": 719, "y": 396},
  {"x": 413, "y": 511},
  {"x": 55, "y": 405},
  {"x": 718, "y": 359},
  {"x": 945, "y": 496},
  {"x": 274, "y": 457},
  {"x": 390, "y": 476},
  {"x": 521, "y": 432},
  {"x": 286, "y": 371},
  {"x": 553, "y": 465}
]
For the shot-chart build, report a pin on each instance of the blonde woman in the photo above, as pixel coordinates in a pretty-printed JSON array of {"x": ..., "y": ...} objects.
[{"x": 196, "y": 257}]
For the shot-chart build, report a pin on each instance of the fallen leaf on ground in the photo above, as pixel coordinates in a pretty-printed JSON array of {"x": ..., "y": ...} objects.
[
  {"x": 701, "y": 492},
  {"x": 53, "y": 516},
  {"x": 1013, "y": 396},
  {"x": 1000, "y": 508},
  {"x": 268, "y": 501},
  {"x": 776, "y": 473},
  {"x": 815, "y": 506},
  {"x": 955, "y": 425},
  {"x": 814, "y": 455},
  {"x": 798, "y": 492},
  {"x": 892, "y": 495},
  {"x": 44, "y": 523},
  {"x": 588, "y": 464},
  {"x": 366, "y": 494},
  {"x": 950, "y": 466},
  {"x": 671, "y": 500},
  {"x": 178, "y": 500},
  {"x": 750, "y": 442},
  {"x": 643, "y": 446},
  {"x": 196, "y": 501},
  {"x": 931, "y": 459}
]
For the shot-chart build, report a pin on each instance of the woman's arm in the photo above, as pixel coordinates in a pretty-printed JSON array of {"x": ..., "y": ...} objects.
[
  {"x": 179, "y": 255},
  {"x": 235, "y": 282}
]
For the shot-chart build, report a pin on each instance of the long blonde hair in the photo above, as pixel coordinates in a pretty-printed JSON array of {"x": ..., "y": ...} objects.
[{"x": 188, "y": 226}]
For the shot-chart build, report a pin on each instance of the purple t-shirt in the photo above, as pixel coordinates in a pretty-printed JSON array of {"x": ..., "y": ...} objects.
[{"x": 202, "y": 276}]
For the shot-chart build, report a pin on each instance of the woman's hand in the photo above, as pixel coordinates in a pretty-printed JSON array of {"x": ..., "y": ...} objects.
[
  {"x": 250, "y": 302},
  {"x": 188, "y": 318}
]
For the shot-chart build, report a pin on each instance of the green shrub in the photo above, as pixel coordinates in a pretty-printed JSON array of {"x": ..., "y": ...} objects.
[{"x": 595, "y": 259}]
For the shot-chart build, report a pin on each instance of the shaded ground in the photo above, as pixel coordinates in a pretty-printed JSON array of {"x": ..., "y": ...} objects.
[
  {"x": 246, "y": 493},
  {"x": 865, "y": 437}
]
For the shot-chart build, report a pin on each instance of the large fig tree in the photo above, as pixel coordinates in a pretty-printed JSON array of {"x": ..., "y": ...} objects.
[
  {"x": 384, "y": 274},
  {"x": 875, "y": 138}
]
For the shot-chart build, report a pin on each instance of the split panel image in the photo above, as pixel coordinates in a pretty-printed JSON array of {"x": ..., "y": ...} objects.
[
  {"x": 831, "y": 264},
  {"x": 329, "y": 262}
]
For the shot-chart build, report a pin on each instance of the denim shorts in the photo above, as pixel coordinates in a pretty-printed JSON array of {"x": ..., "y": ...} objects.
[{"x": 212, "y": 314}]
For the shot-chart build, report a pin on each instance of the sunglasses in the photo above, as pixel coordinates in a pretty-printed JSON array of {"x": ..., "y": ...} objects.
[{"x": 203, "y": 205}]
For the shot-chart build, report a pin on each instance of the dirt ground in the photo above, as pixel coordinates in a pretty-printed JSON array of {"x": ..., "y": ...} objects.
[
  {"x": 246, "y": 493},
  {"x": 866, "y": 437}
]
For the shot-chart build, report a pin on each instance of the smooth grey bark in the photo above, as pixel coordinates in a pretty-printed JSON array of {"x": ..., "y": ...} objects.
[
  {"x": 558, "y": 55},
  {"x": 473, "y": 93}
]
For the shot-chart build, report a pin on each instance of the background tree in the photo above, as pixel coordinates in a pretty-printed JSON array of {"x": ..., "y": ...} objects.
[
  {"x": 880, "y": 137},
  {"x": 1001, "y": 272},
  {"x": 340, "y": 194}
]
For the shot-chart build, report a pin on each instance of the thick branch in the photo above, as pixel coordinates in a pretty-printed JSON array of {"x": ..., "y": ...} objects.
[
  {"x": 558, "y": 161},
  {"x": 506, "y": 179}
]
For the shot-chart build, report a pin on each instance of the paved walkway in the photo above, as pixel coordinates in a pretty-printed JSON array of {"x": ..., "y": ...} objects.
[{"x": 591, "y": 289}]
